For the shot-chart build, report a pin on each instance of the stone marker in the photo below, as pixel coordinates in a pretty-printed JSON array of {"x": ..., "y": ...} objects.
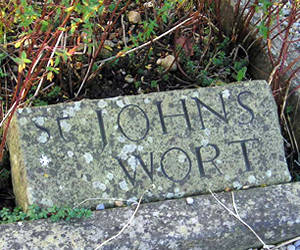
[
  {"x": 184, "y": 142},
  {"x": 272, "y": 212}
]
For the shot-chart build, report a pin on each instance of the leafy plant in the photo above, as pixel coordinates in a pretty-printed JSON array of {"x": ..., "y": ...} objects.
[{"x": 35, "y": 212}]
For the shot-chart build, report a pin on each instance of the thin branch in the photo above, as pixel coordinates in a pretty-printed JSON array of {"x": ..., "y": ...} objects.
[
  {"x": 49, "y": 61},
  {"x": 126, "y": 225},
  {"x": 134, "y": 49},
  {"x": 241, "y": 220}
]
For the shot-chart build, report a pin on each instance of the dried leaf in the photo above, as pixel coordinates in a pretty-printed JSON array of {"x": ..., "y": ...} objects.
[{"x": 186, "y": 44}]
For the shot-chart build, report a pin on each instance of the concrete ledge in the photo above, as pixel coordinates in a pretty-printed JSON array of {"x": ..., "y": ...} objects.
[{"x": 270, "y": 211}]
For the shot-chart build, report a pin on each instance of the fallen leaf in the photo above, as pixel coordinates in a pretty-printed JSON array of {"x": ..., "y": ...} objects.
[{"x": 186, "y": 44}]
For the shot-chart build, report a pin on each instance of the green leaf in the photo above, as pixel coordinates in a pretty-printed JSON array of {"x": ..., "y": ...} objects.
[
  {"x": 241, "y": 74},
  {"x": 45, "y": 25}
]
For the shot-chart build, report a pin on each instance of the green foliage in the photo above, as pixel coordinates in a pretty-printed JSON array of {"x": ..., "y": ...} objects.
[
  {"x": 164, "y": 10},
  {"x": 149, "y": 29},
  {"x": 54, "y": 92},
  {"x": 241, "y": 74},
  {"x": 2, "y": 58},
  {"x": 35, "y": 212},
  {"x": 240, "y": 69},
  {"x": 219, "y": 59},
  {"x": 264, "y": 7},
  {"x": 289, "y": 109},
  {"x": 4, "y": 174},
  {"x": 153, "y": 84}
]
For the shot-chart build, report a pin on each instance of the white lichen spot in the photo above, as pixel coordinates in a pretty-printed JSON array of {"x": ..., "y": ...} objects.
[
  {"x": 105, "y": 195},
  {"x": 269, "y": 173},
  {"x": 129, "y": 148},
  {"x": 237, "y": 185},
  {"x": 121, "y": 139},
  {"x": 140, "y": 148},
  {"x": 251, "y": 179},
  {"x": 116, "y": 127},
  {"x": 77, "y": 106},
  {"x": 99, "y": 185},
  {"x": 204, "y": 142},
  {"x": 132, "y": 162},
  {"x": 207, "y": 132},
  {"x": 110, "y": 176},
  {"x": 158, "y": 169},
  {"x": 183, "y": 97},
  {"x": 43, "y": 137},
  {"x": 218, "y": 161},
  {"x": 61, "y": 187},
  {"x": 176, "y": 190},
  {"x": 189, "y": 200},
  {"x": 227, "y": 177},
  {"x": 102, "y": 104},
  {"x": 70, "y": 154},
  {"x": 146, "y": 100},
  {"x": 225, "y": 93},
  {"x": 84, "y": 178},
  {"x": 159, "y": 188},
  {"x": 132, "y": 200},
  {"x": 88, "y": 158},
  {"x": 149, "y": 194},
  {"x": 182, "y": 158},
  {"x": 195, "y": 94},
  {"x": 120, "y": 103},
  {"x": 39, "y": 120},
  {"x": 123, "y": 185},
  {"x": 150, "y": 139},
  {"x": 68, "y": 112},
  {"x": 44, "y": 160},
  {"x": 20, "y": 111},
  {"x": 170, "y": 195},
  {"x": 47, "y": 202},
  {"x": 23, "y": 121},
  {"x": 65, "y": 126}
]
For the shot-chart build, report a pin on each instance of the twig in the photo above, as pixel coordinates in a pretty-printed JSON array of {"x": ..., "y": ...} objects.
[
  {"x": 234, "y": 205},
  {"x": 8, "y": 113},
  {"x": 126, "y": 225},
  {"x": 49, "y": 61},
  {"x": 104, "y": 199},
  {"x": 134, "y": 49},
  {"x": 274, "y": 71},
  {"x": 123, "y": 29},
  {"x": 286, "y": 242},
  {"x": 241, "y": 220}
]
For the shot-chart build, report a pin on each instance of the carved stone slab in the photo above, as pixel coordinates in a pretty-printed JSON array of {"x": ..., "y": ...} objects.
[
  {"x": 184, "y": 142},
  {"x": 172, "y": 224}
]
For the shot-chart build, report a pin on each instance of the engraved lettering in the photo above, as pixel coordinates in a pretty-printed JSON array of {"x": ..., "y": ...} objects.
[
  {"x": 58, "y": 119},
  {"x": 164, "y": 170},
  {"x": 102, "y": 129},
  {"x": 201, "y": 161},
  {"x": 244, "y": 151},
  {"x": 220, "y": 116},
  {"x": 146, "y": 119},
  {"x": 162, "y": 116},
  {"x": 43, "y": 129},
  {"x": 244, "y": 106},
  {"x": 132, "y": 179}
]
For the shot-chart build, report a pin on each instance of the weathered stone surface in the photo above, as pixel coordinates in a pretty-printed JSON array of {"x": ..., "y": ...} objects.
[
  {"x": 273, "y": 212},
  {"x": 185, "y": 142}
]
